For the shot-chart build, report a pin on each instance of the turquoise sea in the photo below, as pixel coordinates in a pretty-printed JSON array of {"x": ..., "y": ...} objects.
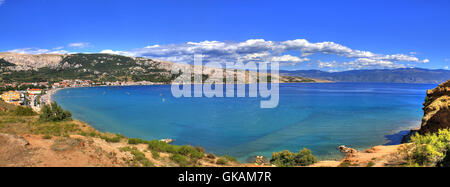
[{"x": 318, "y": 116}]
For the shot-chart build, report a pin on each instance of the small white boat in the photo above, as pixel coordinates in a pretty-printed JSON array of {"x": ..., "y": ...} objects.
[{"x": 166, "y": 140}]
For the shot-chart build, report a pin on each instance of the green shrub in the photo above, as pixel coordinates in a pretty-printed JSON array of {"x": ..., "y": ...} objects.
[
  {"x": 283, "y": 159},
  {"x": 180, "y": 160},
  {"x": 24, "y": 111},
  {"x": 125, "y": 149},
  {"x": 159, "y": 146},
  {"x": 190, "y": 151},
  {"x": 139, "y": 157},
  {"x": 113, "y": 138},
  {"x": 47, "y": 137},
  {"x": 92, "y": 134},
  {"x": 230, "y": 158},
  {"x": 82, "y": 133},
  {"x": 288, "y": 159},
  {"x": 370, "y": 164},
  {"x": 54, "y": 113},
  {"x": 222, "y": 161},
  {"x": 196, "y": 155},
  {"x": 155, "y": 154},
  {"x": 211, "y": 156},
  {"x": 185, "y": 150},
  {"x": 305, "y": 158},
  {"x": 55, "y": 128},
  {"x": 346, "y": 164},
  {"x": 429, "y": 149},
  {"x": 200, "y": 149},
  {"x": 135, "y": 141}
]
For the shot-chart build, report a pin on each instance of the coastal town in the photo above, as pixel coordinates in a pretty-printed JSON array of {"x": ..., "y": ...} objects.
[{"x": 37, "y": 94}]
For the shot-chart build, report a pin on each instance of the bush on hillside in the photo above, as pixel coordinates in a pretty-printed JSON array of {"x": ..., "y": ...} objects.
[
  {"x": 24, "y": 111},
  {"x": 155, "y": 154},
  {"x": 180, "y": 160},
  {"x": 112, "y": 138},
  {"x": 54, "y": 113},
  {"x": 185, "y": 150},
  {"x": 288, "y": 159},
  {"x": 190, "y": 151},
  {"x": 159, "y": 146},
  {"x": 222, "y": 161},
  {"x": 56, "y": 128},
  {"x": 429, "y": 149},
  {"x": 135, "y": 141},
  {"x": 139, "y": 160},
  {"x": 305, "y": 157},
  {"x": 230, "y": 158}
]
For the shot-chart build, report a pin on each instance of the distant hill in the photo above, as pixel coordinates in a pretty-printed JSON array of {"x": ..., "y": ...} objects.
[
  {"x": 402, "y": 75},
  {"x": 4, "y": 63},
  {"x": 19, "y": 68}
]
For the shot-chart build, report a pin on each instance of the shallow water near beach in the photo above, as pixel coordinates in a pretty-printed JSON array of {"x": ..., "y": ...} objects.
[{"x": 318, "y": 116}]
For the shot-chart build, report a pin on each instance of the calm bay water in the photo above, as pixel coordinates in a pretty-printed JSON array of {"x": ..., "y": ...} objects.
[{"x": 317, "y": 116}]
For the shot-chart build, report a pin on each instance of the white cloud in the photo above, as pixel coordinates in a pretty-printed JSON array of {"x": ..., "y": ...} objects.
[
  {"x": 55, "y": 50},
  {"x": 1, "y": 2},
  {"x": 260, "y": 49},
  {"x": 152, "y": 46},
  {"x": 332, "y": 64},
  {"x": 38, "y": 51},
  {"x": 79, "y": 45},
  {"x": 446, "y": 67},
  {"x": 263, "y": 51},
  {"x": 289, "y": 58},
  {"x": 362, "y": 63},
  {"x": 311, "y": 48},
  {"x": 257, "y": 56},
  {"x": 108, "y": 51}
]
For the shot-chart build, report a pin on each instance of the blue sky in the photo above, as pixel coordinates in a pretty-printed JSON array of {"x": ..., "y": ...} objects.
[{"x": 327, "y": 35}]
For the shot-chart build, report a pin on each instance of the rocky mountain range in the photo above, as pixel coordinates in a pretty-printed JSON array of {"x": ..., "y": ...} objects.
[
  {"x": 402, "y": 75},
  {"x": 106, "y": 67}
]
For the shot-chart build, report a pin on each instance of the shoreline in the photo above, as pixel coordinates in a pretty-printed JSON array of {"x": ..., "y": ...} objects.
[
  {"x": 47, "y": 97},
  {"x": 50, "y": 93}
]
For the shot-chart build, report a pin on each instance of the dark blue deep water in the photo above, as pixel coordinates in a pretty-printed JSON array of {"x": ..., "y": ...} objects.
[{"x": 318, "y": 116}]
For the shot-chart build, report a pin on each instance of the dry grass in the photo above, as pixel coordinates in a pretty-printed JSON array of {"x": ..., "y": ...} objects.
[{"x": 65, "y": 144}]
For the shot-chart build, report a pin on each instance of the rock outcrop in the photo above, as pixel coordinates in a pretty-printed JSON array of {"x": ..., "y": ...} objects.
[
  {"x": 436, "y": 109},
  {"x": 347, "y": 150},
  {"x": 32, "y": 62}
]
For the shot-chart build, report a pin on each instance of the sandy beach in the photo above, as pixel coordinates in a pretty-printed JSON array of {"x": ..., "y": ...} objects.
[{"x": 47, "y": 97}]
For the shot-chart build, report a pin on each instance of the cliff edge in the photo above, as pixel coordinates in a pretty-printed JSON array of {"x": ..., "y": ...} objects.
[{"x": 436, "y": 109}]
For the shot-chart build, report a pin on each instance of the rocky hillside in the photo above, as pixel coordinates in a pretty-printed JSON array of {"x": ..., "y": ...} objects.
[
  {"x": 27, "y": 141},
  {"x": 436, "y": 109},
  {"x": 103, "y": 67},
  {"x": 32, "y": 62}
]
